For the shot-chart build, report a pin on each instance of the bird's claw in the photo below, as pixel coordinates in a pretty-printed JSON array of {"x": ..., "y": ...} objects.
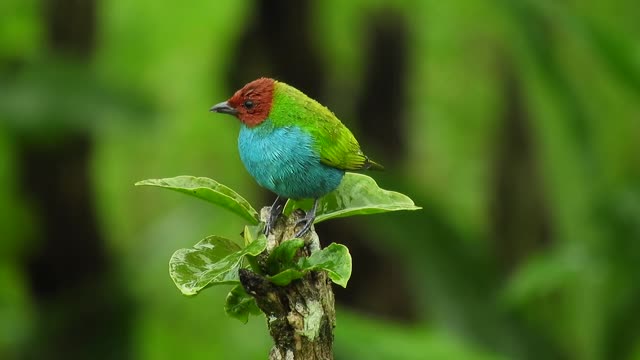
[
  {"x": 307, "y": 220},
  {"x": 274, "y": 214},
  {"x": 278, "y": 207},
  {"x": 271, "y": 223},
  {"x": 307, "y": 226},
  {"x": 268, "y": 227}
]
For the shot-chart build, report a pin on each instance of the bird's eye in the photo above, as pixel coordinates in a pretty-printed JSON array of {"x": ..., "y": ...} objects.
[{"x": 248, "y": 104}]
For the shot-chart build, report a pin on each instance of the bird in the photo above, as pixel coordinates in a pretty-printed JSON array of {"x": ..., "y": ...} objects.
[{"x": 292, "y": 145}]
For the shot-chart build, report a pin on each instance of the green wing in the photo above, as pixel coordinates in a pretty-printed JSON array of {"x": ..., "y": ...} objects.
[
  {"x": 335, "y": 143},
  {"x": 338, "y": 147}
]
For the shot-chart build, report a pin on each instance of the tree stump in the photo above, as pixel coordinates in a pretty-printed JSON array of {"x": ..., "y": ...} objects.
[{"x": 300, "y": 316}]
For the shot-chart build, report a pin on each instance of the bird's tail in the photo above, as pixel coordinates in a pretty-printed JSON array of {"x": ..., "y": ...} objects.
[{"x": 372, "y": 165}]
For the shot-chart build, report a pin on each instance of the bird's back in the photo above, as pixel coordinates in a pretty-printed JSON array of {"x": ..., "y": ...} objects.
[{"x": 335, "y": 144}]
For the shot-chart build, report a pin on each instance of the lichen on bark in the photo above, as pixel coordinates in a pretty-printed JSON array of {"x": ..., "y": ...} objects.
[{"x": 301, "y": 315}]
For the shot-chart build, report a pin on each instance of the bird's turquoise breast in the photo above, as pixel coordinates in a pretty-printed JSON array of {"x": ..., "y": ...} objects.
[{"x": 283, "y": 160}]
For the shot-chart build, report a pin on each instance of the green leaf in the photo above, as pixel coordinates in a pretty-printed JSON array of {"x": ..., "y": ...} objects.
[
  {"x": 212, "y": 261},
  {"x": 281, "y": 257},
  {"x": 334, "y": 259},
  {"x": 357, "y": 195},
  {"x": 251, "y": 232},
  {"x": 286, "y": 277},
  {"x": 210, "y": 191},
  {"x": 240, "y": 305}
]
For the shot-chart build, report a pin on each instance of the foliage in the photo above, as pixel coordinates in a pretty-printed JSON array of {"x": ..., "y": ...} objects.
[
  {"x": 357, "y": 195},
  {"x": 216, "y": 260},
  {"x": 212, "y": 261},
  {"x": 334, "y": 259},
  {"x": 210, "y": 191}
]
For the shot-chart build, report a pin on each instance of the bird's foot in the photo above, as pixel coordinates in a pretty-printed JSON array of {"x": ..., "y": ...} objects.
[
  {"x": 274, "y": 213},
  {"x": 307, "y": 220}
]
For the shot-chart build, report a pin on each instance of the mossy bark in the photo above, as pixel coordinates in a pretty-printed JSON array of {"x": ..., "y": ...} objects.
[{"x": 300, "y": 316}]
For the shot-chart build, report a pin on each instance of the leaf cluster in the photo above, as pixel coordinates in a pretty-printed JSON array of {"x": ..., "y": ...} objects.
[{"x": 216, "y": 260}]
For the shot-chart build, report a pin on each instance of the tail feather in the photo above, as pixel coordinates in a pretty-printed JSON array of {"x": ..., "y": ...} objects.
[{"x": 372, "y": 165}]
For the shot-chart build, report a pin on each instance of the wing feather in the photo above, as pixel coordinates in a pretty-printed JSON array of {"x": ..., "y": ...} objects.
[{"x": 335, "y": 143}]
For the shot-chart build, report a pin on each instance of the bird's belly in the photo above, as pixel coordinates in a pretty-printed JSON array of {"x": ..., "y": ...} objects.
[{"x": 284, "y": 161}]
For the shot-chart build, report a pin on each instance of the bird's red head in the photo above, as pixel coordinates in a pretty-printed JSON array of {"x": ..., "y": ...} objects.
[{"x": 251, "y": 104}]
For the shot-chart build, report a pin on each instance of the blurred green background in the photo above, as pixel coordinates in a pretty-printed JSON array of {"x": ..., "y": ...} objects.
[{"x": 515, "y": 124}]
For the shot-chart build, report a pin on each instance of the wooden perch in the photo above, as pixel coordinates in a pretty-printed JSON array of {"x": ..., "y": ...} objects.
[{"x": 300, "y": 316}]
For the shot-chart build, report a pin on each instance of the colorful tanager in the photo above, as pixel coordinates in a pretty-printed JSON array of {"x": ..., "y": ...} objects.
[{"x": 292, "y": 145}]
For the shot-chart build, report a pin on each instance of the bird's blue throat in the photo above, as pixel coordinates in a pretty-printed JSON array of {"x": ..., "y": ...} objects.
[{"x": 283, "y": 160}]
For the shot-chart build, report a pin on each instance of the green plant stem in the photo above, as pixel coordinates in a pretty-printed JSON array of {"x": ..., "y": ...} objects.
[{"x": 300, "y": 316}]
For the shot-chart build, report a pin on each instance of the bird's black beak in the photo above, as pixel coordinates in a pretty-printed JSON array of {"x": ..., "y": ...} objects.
[{"x": 224, "y": 108}]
